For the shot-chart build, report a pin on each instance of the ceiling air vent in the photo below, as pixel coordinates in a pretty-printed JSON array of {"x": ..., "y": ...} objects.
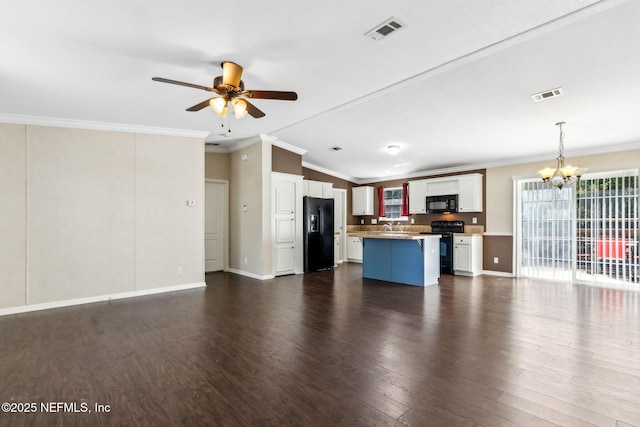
[
  {"x": 551, "y": 93},
  {"x": 382, "y": 30},
  {"x": 336, "y": 148}
]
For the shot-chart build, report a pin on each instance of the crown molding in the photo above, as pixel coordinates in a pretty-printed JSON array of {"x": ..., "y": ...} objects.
[
  {"x": 91, "y": 125},
  {"x": 330, "y": 172},
  {"x": 284, "y": 145},
  {"x": 244, "y": 143}
]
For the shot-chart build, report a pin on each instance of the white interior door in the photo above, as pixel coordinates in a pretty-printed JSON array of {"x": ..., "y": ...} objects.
[
  {"x": 215, "y": 225},
  {"x": 284, "y": 202}
]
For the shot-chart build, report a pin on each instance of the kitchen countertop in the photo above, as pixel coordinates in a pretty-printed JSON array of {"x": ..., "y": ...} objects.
[{"x": 398, "y": 235}]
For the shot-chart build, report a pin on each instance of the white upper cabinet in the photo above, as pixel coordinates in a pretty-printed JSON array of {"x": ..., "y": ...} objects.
[
  {"x": 324, "y": 190},
  {"x": 417, "y": 196},
  {"x": 468, "y": 187},
  {"x": 362, "y": 200},
  {"x": 470, "y": 195},
  {"x": 442, "y": 186}
]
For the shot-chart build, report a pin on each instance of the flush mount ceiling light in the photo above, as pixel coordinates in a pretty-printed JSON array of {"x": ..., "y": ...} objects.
[
  {"x": 562, "y": 175},
  {"x": 393, "y": 149}
]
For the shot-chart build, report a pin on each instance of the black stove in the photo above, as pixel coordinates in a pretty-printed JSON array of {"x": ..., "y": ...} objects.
[
  {"x": 446, "y": 230},
  {"x": 442, "y": 227}
]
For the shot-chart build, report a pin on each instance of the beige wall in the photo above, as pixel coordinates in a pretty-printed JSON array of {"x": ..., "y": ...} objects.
[
  {"x": 217, "y": 166},
  {"x": 169, "y": 234},
  {"x": 266, "y": 244},
  {"x": 101, "y": 213},
  {"x": 81, "y": 213},
  {"x": 249, "y": 235},
  {"x": 13, "y": 215}
]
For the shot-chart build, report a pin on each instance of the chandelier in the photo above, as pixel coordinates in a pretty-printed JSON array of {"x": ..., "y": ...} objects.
[{"x": 562, "y": 175}]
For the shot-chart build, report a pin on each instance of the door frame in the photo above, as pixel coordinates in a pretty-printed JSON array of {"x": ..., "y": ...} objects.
[
  {"x": 342, "y": 193},
  {"x": 225, "y": 222}
]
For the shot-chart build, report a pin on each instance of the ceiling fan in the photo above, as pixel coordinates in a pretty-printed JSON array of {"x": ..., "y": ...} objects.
[{"x": 231, "y": 89}]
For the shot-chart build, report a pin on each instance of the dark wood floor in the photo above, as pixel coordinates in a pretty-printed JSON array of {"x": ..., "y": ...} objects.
[{"x": 329, "y": 349}]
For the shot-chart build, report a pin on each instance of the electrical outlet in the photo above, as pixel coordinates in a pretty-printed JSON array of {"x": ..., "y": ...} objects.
[
  {"x": 374, "y": 221},
  {"x": 362, "y": 221},
  {"x": 179, "y": 270},
  {"x": 495, "y": 260},
  {"x": 246, "y": 261},
  {"x": 474, "y": 220},
  {"x": 413, "y": 220}
]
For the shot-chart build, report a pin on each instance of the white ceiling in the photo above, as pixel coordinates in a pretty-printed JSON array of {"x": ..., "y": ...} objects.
[{"x": 453, "y": 88}]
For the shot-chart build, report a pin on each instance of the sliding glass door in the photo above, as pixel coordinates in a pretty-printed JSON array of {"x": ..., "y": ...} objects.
[{"x": 587, "y": 233}]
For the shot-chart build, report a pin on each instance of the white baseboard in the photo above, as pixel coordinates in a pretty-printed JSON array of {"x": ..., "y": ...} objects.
[
  {"x": 497, "y": 273},
  {"x": 252, "y": 275},
  {"x": 100, "y": 298}
]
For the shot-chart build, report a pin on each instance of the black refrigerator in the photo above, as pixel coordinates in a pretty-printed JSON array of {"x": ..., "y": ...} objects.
[{"x": 318, "y": 233}]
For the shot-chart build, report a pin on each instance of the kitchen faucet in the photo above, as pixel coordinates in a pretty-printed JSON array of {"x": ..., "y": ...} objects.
[{"x": 389, "y": 226}]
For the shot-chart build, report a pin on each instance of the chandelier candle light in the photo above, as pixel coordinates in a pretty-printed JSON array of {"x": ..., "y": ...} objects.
[{"x": 562, "y": 175}]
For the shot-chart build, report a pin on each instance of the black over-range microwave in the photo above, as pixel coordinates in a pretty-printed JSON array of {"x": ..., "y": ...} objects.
[{"x": 442, "y": 204}]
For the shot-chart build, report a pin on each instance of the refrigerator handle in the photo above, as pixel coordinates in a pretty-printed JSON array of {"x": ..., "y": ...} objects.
[{"x": 321, "y": 220}]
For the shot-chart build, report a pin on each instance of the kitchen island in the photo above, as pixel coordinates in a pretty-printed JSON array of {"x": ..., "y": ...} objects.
[{"x": 401, "y": 257}]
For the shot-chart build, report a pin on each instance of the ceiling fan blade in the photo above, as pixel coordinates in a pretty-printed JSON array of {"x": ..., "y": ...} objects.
[
  {"x": 253, "y": 110},
  {"x": 176, "y": 82},
  {"x": 200, "y": 106},
  {"x": 271, "y": 94},
  {"x": 231, "y": 74}
]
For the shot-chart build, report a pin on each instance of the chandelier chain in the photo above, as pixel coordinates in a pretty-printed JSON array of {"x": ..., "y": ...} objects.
[{"x": 561, "y": 141}]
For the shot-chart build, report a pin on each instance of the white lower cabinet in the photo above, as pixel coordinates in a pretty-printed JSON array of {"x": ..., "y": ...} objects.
[
  {"x": 467, "y": 255},
  {"x": 354, "y": 249},
  {"x": 336, "y": 249}
]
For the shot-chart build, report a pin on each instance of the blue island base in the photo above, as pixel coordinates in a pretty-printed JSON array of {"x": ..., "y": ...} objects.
[{"x": 411, "y": 262}]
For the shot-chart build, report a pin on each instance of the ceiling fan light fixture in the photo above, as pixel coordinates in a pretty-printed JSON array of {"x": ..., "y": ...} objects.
[
  {"x": 228, "y": 87},
  {"x": 239, "y": 107},
  {"x": 231, "y": 73},
  {"x": 219, "y": 106}
]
